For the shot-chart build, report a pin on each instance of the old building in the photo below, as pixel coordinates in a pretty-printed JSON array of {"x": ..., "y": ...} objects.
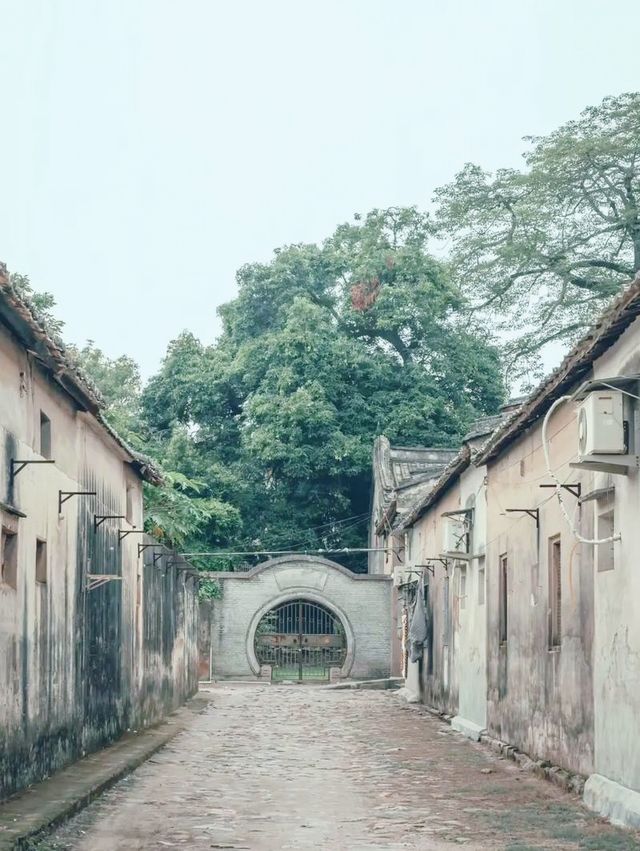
[
  {"x": 445, "y": 533},
  {"x": 96, "y": 636},
  {"x": 527, "y": 543},
  {"x": 401, "y": 476}
]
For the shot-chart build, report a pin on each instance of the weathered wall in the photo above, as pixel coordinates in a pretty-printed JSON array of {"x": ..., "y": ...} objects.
[
  {"x": 78, "y": 666},
  {"x": 362, "y": 602},
  {"x": 439, "y": 669},
  {"x": 616, "y": 654},
  {"x": 470, "y": 622},
  {"x": 540, "y": 698}
]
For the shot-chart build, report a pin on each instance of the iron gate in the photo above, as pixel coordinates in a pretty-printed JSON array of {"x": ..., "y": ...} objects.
[{"x": 301, "y": 641}]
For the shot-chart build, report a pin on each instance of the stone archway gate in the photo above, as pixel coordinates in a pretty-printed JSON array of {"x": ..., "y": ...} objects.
[{"x": 297, "y": 617}]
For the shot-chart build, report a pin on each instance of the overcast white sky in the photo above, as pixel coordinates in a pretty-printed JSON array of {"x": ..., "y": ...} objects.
[{"x": 150, "y": 147}]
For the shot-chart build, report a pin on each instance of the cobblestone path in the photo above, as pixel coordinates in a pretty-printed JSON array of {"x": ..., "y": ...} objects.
[{"x": 296, "y": 767}]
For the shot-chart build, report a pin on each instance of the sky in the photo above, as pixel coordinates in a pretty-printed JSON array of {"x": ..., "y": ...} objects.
[{"x": 149, "y": 148}]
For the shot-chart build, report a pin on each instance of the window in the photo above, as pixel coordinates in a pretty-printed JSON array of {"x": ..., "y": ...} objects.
[
  {"x": 481, "y": 579},
  {"x": 555, "y": 592},
  {"x": 45, "y": 435},
  {"x": 446, "y": 607},
  {"x": 130, "y": 503},
  {"x": 502, "y": 593},
  {"x": 605, "y": 529},
  {"x": 41, "y": 561},
  {"x": 9, "y": 556},
  {"x": 462, "y": 586}
]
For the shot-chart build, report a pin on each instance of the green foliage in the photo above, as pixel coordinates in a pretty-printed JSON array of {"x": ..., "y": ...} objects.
[
  {"x": 184, "y": 509},
  {"x": 541, "y": 249},
  {"x": 180, "y": 511},
  {"x": 42, "y": 302},
  {"x": 209, "y": 589},
  {"x": 119, "y": 382},
  {"x": 324, "y": 348}
]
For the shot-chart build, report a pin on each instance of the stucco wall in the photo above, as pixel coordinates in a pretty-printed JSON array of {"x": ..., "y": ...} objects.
[
  {"x": 362, "y": 602},
  {"x": 540, "y": 699},
  {"x": 439, "y": 670},
  {"x": 470, "y": 613},
  {"x": 78, "y": 667},
  {"x": 616, "y": 655}
]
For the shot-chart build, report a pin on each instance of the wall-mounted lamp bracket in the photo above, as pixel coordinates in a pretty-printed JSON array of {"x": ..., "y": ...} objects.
[
  {"x": 122, "y": 533},
  {"x": 574, "y": 489},
  {"x": 65, "y": 496},
  {"x": 17, "y": 466},
  {"x": 98, "y": 519},
  {"x": 143, "y": 547},
  {"x": 534, "y": 513},
  {"x": 96, "y": 580}
]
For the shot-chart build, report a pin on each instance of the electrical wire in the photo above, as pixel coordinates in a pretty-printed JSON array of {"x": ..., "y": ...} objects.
[{"x": 558, "y": 484}]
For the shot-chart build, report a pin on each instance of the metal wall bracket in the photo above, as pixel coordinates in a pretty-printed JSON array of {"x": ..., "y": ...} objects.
[
  {"x": 156, "y": 557},
  {"x": 98, "y": 519},
  {"x": 143, "y": 547},
  {"x": 65, "y": 496},
  {"x": 574, "y": 489},
  {"x": 122, "y": 533},
  {"x": 17, "y": 466},
  {"x": 96, "y": 580},
  {"x": 534, "y": 513}
]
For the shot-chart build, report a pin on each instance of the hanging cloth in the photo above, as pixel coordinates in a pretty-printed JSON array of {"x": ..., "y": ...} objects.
[{"x": 418, "y": 628}]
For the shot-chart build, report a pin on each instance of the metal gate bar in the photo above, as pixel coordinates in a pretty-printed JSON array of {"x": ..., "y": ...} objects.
[{"x": 301, "y": 641}]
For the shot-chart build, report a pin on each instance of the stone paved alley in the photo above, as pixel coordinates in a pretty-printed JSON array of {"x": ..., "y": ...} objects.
[{"x": 294, "y": 767}]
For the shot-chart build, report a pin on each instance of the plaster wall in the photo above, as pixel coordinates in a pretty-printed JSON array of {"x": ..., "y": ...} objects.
[
  {"x": 439, "y": 668},
  {"x": 540, "y": 698},
  {"x": 470, "y": 621},
  {"x": 77, "y": 667},
  {"x": 616, "y": 655},
  {"x": 363, "y": 603}
]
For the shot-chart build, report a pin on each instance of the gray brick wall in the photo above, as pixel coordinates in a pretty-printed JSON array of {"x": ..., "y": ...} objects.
[{"x": 364, "y": 602}]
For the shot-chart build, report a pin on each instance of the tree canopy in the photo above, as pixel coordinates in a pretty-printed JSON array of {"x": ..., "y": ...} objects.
[
  {"x": 324, "y": 348},
  {"x": 544, "y": 247},
  {"x": 266, "y": 436}
]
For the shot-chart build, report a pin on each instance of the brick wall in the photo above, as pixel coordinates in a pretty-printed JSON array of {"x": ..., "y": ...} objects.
[{"x": 362, "y": 602}]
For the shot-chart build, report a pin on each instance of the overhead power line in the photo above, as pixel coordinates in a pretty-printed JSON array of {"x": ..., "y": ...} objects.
[{"x": 289, "y": 552}]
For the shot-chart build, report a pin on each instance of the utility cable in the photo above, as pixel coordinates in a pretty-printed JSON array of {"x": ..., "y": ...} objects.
[{"x": 558, "y": 484}]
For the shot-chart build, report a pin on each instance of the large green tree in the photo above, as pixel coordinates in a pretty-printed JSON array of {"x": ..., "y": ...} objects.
[
  {"x": 324, "y": 347},
  {"x": 540, "y": 249}
]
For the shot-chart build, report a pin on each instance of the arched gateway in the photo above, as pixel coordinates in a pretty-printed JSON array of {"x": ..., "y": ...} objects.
[
  {"x": 300, "y": 640},
  {"x": 297, "y": 618}
]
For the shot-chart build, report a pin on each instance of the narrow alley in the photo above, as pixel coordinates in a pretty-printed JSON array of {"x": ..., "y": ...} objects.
[{"x": 293, "y": 767}]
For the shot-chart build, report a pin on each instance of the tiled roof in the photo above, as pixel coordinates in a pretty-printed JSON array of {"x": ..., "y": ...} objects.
[
  {"x": 28, "y": 327},
  {"x": 406, "y": 473},
  {"x": 575, "y": 366},
  {"x": 458, "y": 464}
]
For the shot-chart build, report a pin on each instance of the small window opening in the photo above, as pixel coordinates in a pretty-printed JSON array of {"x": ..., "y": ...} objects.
[
  {"x": 130, "y": 504},
  {"x": 502, "y": 593},
  {"x": 41, "y": 561},
  {"x": 45, "y": 435},
  {"x": 555, "y": 592},
  {"x": 604, "y": 529},
  {"x": 462, "y": 587},
  {"x": 9, "y": 556},
  {"x": 481, "y": 581},
  {"x": 447, "y": 610}
]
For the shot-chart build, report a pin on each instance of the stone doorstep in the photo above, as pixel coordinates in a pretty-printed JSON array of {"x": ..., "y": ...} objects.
[
  {"x": 374, "y": 685},
  {"x": 50, "y": 802},
  {"x": 618, "y": 803}
]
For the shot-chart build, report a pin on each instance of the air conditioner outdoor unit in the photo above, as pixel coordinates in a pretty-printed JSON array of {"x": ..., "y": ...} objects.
[{"x": 601, "y": 426}]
